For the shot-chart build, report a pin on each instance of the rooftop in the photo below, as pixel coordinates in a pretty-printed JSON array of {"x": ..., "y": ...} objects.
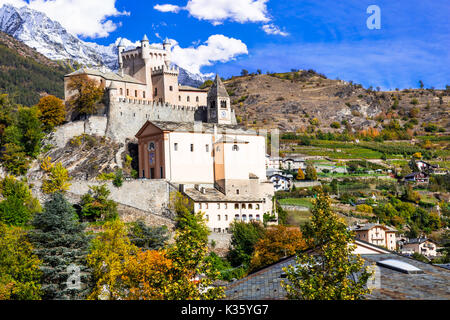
[
  {"x": 214, "y": 195},
  {"x": 368, "y": 226},
  {"x": 432, "y": 284},
  {"x": 204, "y": 127},
  {"x": 108, "y": 75}
]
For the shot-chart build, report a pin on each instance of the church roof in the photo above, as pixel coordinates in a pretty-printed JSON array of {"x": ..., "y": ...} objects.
[
  {"x": 197, "y": 127},
  {"x": 107, "y": 75},
  {"x": 218, "y": 88}
]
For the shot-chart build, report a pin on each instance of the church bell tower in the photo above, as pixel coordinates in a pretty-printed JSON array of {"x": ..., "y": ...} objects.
[{"x": 219, "y": 104}]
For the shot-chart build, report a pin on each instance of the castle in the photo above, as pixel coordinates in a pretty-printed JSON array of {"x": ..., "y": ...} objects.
[
  {"x": 146, "y": 88},
  {"x": 187, "y": 136}
]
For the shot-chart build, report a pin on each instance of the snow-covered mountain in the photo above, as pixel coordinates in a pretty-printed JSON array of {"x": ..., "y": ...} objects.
[{"x": 51, "y": 39}]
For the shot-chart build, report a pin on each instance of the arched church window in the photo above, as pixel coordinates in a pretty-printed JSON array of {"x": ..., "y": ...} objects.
[
  {"x": 151, "y": 146},
  {"x": 235, "y": 147}
]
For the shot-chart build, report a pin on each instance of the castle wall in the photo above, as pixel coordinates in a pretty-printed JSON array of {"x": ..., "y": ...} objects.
[
  {"x": 127, "y": 116},
  {"x": 94, "y": 125}
]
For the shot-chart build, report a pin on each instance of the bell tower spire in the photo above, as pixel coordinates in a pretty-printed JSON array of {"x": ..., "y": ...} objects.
[{"x": 219, "y": 104}]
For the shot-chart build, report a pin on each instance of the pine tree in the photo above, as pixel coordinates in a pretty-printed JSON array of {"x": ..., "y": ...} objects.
[
  {"x": 326, "y": 273},
  {"x": 61, "y": 243}
]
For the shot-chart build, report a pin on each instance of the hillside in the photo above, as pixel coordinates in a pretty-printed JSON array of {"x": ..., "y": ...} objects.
[
  {"x": 25, "y": 74},
  {"x": 289, "y": 101}
]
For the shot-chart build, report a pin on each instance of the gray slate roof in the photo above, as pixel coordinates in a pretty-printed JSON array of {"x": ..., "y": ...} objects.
[
  {"x": 214, "y": 195},
  {"x": 433, "y": 284},
  {"x": 106, "y": 75},
  {"x": 369, "y": 226},
  {"x": 218, "y": 88},
  {"x": 206, "y": 127}
]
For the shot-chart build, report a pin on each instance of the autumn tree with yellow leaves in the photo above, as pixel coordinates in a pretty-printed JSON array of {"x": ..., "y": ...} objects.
[
  {"x": 276, "y": 243},
  {"x": 57, "y": 177},
  {"x": 52, "y": 112},
  {"x": 87, "y": 94}
]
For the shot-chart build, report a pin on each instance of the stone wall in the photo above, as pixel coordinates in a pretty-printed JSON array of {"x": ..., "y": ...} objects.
[
  {"x": 127, "y": 116},
  {"x": 94, "y": 125}
]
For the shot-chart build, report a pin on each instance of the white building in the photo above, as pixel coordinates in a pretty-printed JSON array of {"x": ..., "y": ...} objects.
[{"x": 281, "y": 182}]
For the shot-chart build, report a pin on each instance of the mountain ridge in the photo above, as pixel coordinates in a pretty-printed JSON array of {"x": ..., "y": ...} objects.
[{"x": 51, "y": 39}]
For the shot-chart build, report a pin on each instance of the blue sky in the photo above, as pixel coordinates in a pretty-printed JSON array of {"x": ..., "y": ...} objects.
[{"x": 226, "y": 36}]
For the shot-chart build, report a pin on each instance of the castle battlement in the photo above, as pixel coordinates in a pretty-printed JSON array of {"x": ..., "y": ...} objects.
[
  {"x": 164, "y": 69},
  {"x": 154, "y": 104}
]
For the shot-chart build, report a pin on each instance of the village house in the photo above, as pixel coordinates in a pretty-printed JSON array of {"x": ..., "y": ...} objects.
[
  {"x": 281, "y": 182},
  {"x": 422, "y": 246},
  {"x": 376, "y": 234},
  {"x": 419, "y": 177}
]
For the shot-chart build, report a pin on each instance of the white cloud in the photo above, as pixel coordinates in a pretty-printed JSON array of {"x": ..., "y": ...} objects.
[
  {"x": 87, "y": 18},
  {"x": 220, "y": 10},
  {"x": 167, "y": 8},
  {"x": 218, "y": 48},
  {"x": 273, "y": 29}
]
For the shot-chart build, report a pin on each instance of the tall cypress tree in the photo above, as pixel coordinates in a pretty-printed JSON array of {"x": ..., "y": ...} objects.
[{"x": 62, "y": 245}]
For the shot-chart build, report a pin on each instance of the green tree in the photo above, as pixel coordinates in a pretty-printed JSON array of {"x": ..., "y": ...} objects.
[
  {"x": 244, "y": 236},
  {"x": 189, "y": 257},
  {"x": 30, "y": 127},
  {"x": 311, "y": 173},
  {"x": 60, "y": 242},
  {"x": 19, "y": 267},
  {"x": 19, "y": 205},
  {"x": 326, "y": 273},
  {"x": 148, "y": 238},
  {"x": 96, "y": 205}
]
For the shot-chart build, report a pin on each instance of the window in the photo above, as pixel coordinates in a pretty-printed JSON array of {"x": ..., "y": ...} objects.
[
  {"x": 128, "y": 92},
  {"x": 237, "y": 191},
  {"x": 192, "y": 148},
  {"x": 235, "y": 147},
  {"x": 200, "y": 206},
  {"x": 207, "y": 217},
  {"x": 236, "y": 217},
  {"x": 226, "y": 205},
  {"x": 250, "y": 206},
  {"x": 244, "y": 206},
  {"x": 170, "y": 88},
  {"x": 250, "y": 217},
  {"x": 218, "y": 217},
  {"x": 226, "y": 217},
  {"x": 257, "y": 207},
  {"x": 207, "y": 147},
  {"x": 257, "y": 217},
  {"x": 236, "y": 206},
  {"x": 213, "y": 104},
  {"x": 218, "y": 206},
  {"x": 244, "y": 217},
  {"x": 156, "y": 92},
  {"x": 151, "y": 146},
  {"x": 179, "y": 98},
  {"x": 161, "y": 172},
  {"x": 223, "y": 104},
  {"x": 121, "y": 91},
  {"x": 197, "y": 99},
  {"x": 135, "y": 93},
  {"x": 175, "y": 146},
  {"x": 143, "y": 94},
  {"x": 188, "y": 99}
]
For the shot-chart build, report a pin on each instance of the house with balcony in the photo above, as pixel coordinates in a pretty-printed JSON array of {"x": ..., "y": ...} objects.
[{"x": 376, "y": 234}]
